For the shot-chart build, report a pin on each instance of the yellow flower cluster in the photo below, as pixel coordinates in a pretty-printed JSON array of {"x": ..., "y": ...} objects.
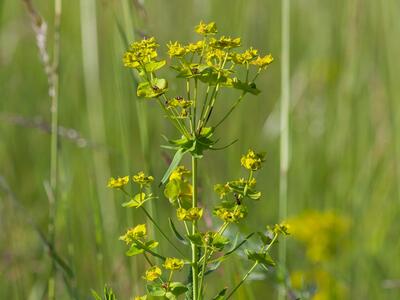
[
  {"x": 206, "y": 29},
  {"x": 282, "y": 228},
  {"x": 263, "y": 62},
  {"x": 117, "y": 183},
  {"x": 191, "y": 214},
  {"x": 225, "y": 42},
  {"x": 231, "y": 215},
  {"x": 327, "y": 286},
  {"x": 252, "y": 161},
  {"x": 141, "y": 53},
  {"x": 222, "y": 190},
  {"x": 176, "y": 49},
  {"x": 180, "y": 173},
  {"x": 196, "y": 47},
  {"x": 245, "y": 57},
  {"x": 321, "y": 232},
  {"x": 173, "y": 264},
  {"x": 153, "y": 273},
  {"x": 142, "y": 179},
  {"x": 179, "y": 102},
  {"x": 134, "y": 233}
]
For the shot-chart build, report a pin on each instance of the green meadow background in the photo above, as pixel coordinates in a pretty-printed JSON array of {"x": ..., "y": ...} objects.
[{"x": 344, "y": 138}]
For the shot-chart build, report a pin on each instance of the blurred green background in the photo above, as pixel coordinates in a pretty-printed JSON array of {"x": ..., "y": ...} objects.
[{"x": 344, "y": 132}]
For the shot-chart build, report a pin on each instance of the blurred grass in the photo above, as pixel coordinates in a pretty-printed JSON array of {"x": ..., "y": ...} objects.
[{"x": 345, "y": 135}]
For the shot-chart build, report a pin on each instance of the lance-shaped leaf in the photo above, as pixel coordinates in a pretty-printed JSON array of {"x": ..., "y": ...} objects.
[
  {"x": 220, "y": 295},
  {"x": 178, "y": 236}
]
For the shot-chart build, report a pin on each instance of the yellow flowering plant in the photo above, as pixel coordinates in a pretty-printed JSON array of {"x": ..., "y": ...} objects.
[{"x": 205, "y": 67}]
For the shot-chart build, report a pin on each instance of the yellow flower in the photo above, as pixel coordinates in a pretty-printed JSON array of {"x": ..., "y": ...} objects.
[
  {"x": 231, "y": 215},
  {"x": 263, "y": 62},
  {"x": 179, "y": 173},
  {"x": 206, "y": 29},
  {"x": 176, "y": 49},
  {"x": 173, "y": 264},
  {"x": 153, "y": 273},
  {"x": 218, "y": 55},
  {"x": 135, "y": 233},
  {"x": 195, "y": 47},
  {"x": 179, "y": 102},
  {"x": 140, "y": 53},
  {"x": 282, "y": 228},
  {"x": 252, "y": 182},
  {"x": 140, "y": 178},
  {"x": 225, "y": 42},
  {"x": 252, "y": 160},
  {"x": 222, "y": 190},
  {"x": 191, "y": 214},
  {"x": 140, "y": 297},
  {"x": 118, "y": 182},
  {"x": 245, "y": 57}
]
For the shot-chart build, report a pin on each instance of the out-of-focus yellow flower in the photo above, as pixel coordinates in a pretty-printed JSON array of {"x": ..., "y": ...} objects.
[
  {"x": 173, "y": 264},
  {"x": 134, "y": 233},
  {"x": 142, "y": 179},
  {"x": 118, "y": 182},
  {"x": 153, "y": 273},
  {"x": 191, "y": 214},
  {"x": 140, "y": 297},
  {"x": 326, "y": 286},
  {"x": 206, "y": 29},
  {"x": 321, "y": 232},
  {"x": 252, "y": 161},
  {"x": 263, "y": 62}
]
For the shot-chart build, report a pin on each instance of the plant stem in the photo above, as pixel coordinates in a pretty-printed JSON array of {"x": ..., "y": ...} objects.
[
  {"x": 203, "y": 269},
  {"x": 284, "y": 126},
  {"x": 195, "y": 267},
  {"x": 252, "y": 268},
  {"x": 54, "y": 94},
  {"x": 243, "y": 280},
  {"x": 231, "y": 109}
]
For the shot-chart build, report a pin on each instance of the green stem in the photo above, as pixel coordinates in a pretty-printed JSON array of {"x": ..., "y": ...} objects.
[
  {"x": 284, "y": 128},
  {"x": 243, "y": 280},
  {"x": 251, "y": 269},
  {"x": 173, "y": 121},
  {"x": 195, "y": 268},
  {"x": 203, "y": 269},
  {"x": 54, "y": 94},
  {"x": 231, "y": 109}
]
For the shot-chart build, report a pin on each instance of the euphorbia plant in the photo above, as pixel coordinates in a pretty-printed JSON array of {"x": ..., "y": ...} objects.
[{"x": 205, "y": 68}]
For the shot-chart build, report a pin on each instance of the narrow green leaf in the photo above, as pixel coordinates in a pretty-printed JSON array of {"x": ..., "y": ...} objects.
[
  {"x": 177, "y": 234},
  {"x": 174, "y": 163},
  {"x": 220, "y": 295}
]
